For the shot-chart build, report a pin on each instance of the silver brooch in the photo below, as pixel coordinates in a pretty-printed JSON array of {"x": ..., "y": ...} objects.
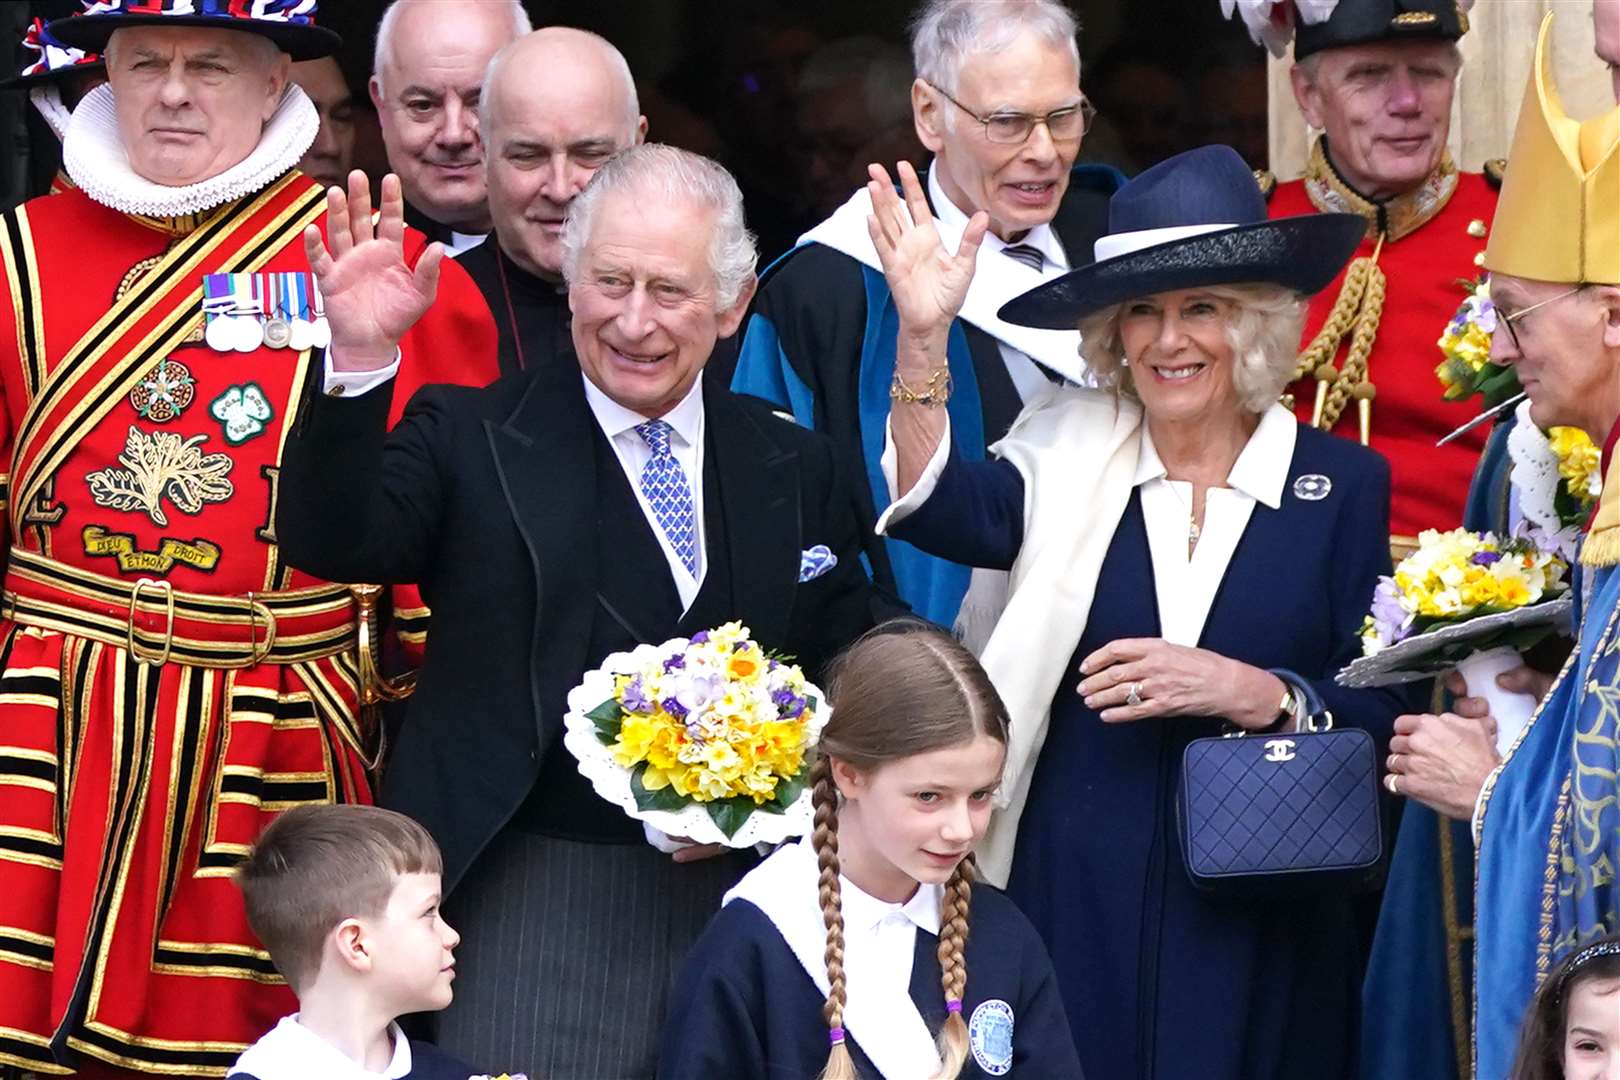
[{"x": 1312, "y": 487}]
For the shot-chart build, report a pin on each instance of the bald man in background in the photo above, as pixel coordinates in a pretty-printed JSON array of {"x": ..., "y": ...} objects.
[
  {"x": 331, "y": 156},
  {"x": 426, "y": 81},
  {"x": 557, "y": 104}
]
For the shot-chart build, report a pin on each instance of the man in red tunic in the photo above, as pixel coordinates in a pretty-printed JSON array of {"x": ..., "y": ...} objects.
[
  {"x": 1377, "y": 79},
  {"x": 167, "y": 682}
]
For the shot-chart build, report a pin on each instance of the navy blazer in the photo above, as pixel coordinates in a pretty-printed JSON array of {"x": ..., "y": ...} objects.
[
  {"x": 745, "y": 1009},
  {"x": 1160, "y": 982}
]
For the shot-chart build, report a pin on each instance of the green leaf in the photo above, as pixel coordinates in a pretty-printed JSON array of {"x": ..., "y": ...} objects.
[
  {"x": 665, "y": 798},
  {"x": 786, "y": 791},
  {"x": 730, "y": 813},
  {"x": 608, "y": 718}
]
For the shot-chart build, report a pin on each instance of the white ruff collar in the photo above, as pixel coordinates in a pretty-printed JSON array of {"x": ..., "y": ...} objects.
[{"x": 94, "y": 157}]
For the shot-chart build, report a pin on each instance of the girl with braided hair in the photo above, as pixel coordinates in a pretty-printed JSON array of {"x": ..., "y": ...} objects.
[{"x": 849, "y": 953}]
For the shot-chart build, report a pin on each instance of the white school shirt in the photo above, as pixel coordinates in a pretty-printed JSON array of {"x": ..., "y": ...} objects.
[
  {"x": 290, "y": 1051},
  {"x": 1028, "y": 379}
]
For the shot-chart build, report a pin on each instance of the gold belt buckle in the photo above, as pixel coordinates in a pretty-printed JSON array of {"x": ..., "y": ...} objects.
[
  {"x": 259, "y": 653},
  {"x": 136, "y": 649}
]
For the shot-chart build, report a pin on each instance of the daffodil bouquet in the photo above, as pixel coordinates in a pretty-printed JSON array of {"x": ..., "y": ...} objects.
[
  {"x": 1457, "y": 576},
  {"x": 707, "y": 738}
]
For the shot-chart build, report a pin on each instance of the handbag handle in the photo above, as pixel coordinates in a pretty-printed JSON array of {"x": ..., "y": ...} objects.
[{"x": 1317, "y": 717}]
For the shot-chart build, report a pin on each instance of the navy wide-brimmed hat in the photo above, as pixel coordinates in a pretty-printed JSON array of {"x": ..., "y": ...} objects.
[
  {"x": 1192, "y": 220},
  {"x": 288, "y": 23}
]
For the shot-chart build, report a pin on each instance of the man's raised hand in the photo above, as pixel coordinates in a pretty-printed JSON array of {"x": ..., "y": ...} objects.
[{"x": 372, "y": 297}]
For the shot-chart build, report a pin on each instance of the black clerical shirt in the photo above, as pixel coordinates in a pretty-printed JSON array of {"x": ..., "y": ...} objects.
[{"x": 530, "y": 312}]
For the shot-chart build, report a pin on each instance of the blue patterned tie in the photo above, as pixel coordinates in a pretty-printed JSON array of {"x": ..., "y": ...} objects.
[{"x": 664, "y": 483}]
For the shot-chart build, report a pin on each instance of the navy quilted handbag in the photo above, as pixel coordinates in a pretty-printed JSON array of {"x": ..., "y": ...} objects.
[{"x": 1295, "y": 812}]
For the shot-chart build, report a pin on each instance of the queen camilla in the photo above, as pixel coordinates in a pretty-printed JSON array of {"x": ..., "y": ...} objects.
[{"x": 1179, "y": 552}]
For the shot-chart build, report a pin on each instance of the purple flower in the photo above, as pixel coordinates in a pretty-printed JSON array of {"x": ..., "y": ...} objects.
[
  {"x": 700, "y": 691},
  {"x": 1388, "y": 615},
  {"x": 673, "y": 706},
  {"x": 1486, "y": 558},
  {"x": 635, "y": 696},
  {"x": 700, "y": 637},
  {"x": 788, "y": 704},
  {"x": 675, "y": 663}
]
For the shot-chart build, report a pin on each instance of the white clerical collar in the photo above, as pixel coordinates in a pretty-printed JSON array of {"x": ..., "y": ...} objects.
[
  {"x": 1261, "y": 468},
  {"x": 1041, "y": 237},
  {"x": 93, "y": 154},
  {"x": 686, "y": 418},
  {"x": 292, "y": 1051}
]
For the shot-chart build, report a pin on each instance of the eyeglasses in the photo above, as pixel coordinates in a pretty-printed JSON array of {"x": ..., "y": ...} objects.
[
  {"x": 1508, "y": 320},
  {"x": 1012, "y": 128}
]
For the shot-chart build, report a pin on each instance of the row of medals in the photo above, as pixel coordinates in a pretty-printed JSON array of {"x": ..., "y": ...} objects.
[{"x": 244, "y": 332}]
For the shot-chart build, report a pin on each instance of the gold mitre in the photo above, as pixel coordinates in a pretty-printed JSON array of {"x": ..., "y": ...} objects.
[{"x": 1558, "y": 218}]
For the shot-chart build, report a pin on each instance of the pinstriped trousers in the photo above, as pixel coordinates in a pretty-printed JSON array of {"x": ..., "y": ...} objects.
[{"x": 569, "y": 952}]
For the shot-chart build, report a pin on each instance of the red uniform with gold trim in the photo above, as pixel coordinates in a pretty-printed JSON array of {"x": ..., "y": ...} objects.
[
  {"x": 167, "y": 682},
  {"x": 1429, "y": 270}
]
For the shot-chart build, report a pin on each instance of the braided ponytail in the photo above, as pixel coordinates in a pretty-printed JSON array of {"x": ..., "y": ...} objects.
[
  {"x": 953, "y": 932},
  {"x": 905, "y": 688},
  {"x": 824, "y": 799}
]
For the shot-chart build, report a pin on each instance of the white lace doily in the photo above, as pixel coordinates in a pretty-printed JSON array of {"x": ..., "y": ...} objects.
[
  {"x": 1535, "y": 471},
  {"x": 612, "y": 780},
  {"x": 93, "y": 154},
  {"x": 1423, "y": 656}
]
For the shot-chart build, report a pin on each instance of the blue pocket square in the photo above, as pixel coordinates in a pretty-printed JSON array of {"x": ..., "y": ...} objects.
[{"x": 815, "y": 561}]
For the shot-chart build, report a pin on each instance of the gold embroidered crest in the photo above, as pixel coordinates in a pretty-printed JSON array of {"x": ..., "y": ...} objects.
[{"x": 163, "y": 465}]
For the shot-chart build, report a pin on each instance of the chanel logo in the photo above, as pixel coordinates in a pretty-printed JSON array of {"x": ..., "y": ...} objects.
[{"x": 1279, "y": 749}]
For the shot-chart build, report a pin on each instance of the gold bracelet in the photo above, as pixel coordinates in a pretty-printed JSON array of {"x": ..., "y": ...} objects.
[{"x": 935, "y": 394}]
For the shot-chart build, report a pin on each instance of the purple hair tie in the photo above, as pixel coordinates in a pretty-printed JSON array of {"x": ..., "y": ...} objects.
[
  {"x": 953, "y": 1005},
  {"x": 835, "y": 1035}
]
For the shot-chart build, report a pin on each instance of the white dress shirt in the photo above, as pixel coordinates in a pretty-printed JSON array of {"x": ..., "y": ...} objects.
[
  {"x": 1185, "y": 583},
  {"x": 685, "y": 443},
  {"x": 1027, "y": 378},
  {"x": 291, "y": 1051}
]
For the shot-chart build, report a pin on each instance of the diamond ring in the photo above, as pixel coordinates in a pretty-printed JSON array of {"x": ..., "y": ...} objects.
[{"x": 1134, "y": 697}]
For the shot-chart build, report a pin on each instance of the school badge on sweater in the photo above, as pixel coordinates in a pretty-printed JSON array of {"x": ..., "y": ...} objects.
[{"x": 990, "y": 1036}]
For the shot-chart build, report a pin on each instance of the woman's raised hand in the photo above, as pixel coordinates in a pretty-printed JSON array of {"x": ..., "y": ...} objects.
[
  {"x": 927, "y": 282},
  {"x": 372, "y": 297}
]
